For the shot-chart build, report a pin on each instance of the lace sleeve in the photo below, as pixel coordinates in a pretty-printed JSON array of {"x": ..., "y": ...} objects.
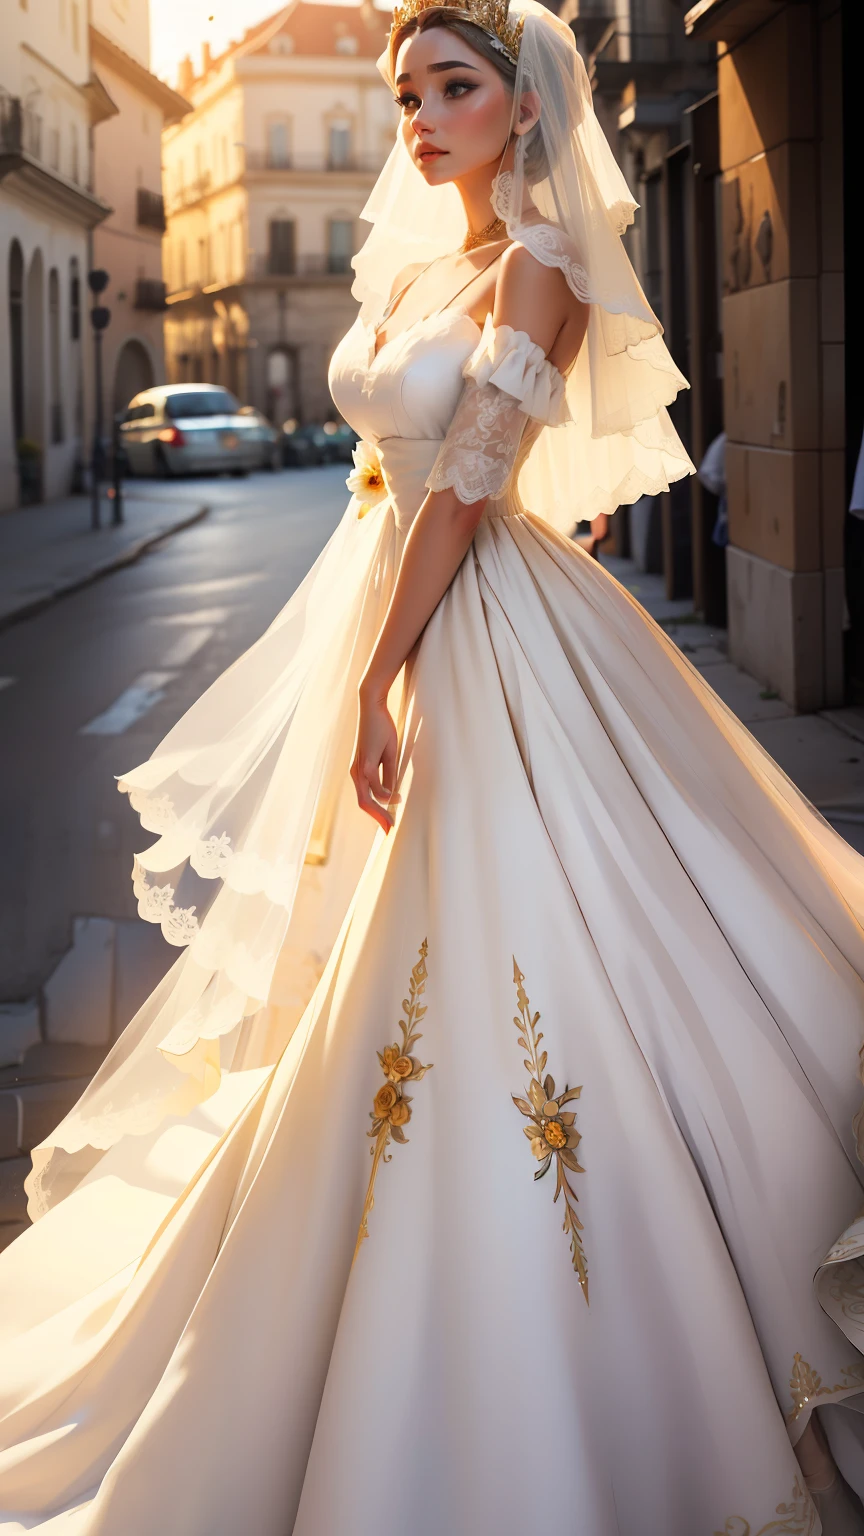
[
  {"x": 478, "y": 454},
  {"x": 509, "y": 379}
]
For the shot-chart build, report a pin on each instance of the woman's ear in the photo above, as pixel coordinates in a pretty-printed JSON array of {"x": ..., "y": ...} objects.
[{"x": 529, "y": 112}]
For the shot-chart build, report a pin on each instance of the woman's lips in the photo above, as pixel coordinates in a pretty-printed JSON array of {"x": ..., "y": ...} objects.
[{"x": 429, "y": 154}]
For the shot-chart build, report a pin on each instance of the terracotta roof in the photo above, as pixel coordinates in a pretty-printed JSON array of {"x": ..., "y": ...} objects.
[{"x": 315, "y": 31}]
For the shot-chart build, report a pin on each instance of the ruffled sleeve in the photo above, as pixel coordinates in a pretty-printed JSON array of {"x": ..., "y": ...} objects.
[
  {"x": 508, "y": 381},
  {"x": 516, "y": 365}
]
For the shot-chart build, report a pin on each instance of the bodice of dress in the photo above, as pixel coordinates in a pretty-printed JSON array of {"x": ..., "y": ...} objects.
[{"x": 404, "y": 400}]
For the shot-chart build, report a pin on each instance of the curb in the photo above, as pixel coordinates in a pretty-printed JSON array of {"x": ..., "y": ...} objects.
[{"x": 116, "y": 562}]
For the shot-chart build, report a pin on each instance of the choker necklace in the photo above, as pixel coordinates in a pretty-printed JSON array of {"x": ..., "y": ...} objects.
[{"x": 494, "y": 231}]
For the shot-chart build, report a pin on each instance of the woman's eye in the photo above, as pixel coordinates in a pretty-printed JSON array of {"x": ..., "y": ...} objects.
[
  {"x": 408, "y": 103},
  {"x": 459, "y": 87}
]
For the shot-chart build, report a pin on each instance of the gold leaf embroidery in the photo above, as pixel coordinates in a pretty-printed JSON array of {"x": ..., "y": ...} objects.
[
  {"x": 805, "y": 1384},
  {"x": 796, "y": 1519},
  {"x": 551, "y": 1128},
  {"x": 391, "y": 1109}
]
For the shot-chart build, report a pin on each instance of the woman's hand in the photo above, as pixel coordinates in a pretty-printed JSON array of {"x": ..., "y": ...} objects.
[
  {"x": 374, "y": 767},
  {"x": 438, "y": 542}
]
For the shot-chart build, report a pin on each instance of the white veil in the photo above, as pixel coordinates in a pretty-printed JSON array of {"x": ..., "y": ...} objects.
[{"x": 568, "y": 203}]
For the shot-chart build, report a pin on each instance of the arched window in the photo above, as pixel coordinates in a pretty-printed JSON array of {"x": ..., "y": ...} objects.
[
  {"x": 35, "y": 308},
  {"x": 54, "y": 381},
  {"x": 281, "y": 384},
  {"x": 74, "y": 300},
  {"x": 76, "y": 369},
  {"x": 16, "y": 336}
]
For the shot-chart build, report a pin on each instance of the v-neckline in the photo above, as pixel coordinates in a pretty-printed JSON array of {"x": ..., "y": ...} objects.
[
  {"x": 376, "y": 351},
  {"x": 374, "y": 357}
]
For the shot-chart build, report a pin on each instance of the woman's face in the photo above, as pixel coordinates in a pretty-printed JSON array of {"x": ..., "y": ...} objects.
[{"x": 456, "y": 108}]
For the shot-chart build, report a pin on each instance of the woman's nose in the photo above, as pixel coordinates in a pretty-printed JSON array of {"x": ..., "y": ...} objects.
[{"x": 422, "y": 124}]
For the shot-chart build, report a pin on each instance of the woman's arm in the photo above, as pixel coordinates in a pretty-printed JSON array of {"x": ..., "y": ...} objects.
[
  {"x": 437, "y": 543},
  {"x": 535, "y": 300}
]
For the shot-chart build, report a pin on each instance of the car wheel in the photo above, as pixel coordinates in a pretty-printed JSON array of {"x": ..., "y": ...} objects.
[{"x": 163, "y": 468}]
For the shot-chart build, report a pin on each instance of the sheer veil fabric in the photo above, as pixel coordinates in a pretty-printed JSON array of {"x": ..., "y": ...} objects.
[
  {"x": 251, "y": 1300},
  {"x": 568, "y": 203}
]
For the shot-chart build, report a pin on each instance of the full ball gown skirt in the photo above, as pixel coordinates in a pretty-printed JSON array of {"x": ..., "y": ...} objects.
[{"x": 500, "y": 1209}]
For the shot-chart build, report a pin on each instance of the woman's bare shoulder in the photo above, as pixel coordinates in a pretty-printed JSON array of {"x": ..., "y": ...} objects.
[{"x": 532, "y": 296}]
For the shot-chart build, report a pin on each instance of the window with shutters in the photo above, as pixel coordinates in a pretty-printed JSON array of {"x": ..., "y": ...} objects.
[
  {"x": 281, "y": 247},
  {"x": 339, "y": 145},
  {"x": 340, "y": 245},
  {"x": 278, "y": 143}
]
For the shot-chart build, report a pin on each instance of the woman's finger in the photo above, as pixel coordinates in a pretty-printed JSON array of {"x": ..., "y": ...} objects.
[
  {"x": 388, "y": 768},
  {"x": 367, "y": 802}
]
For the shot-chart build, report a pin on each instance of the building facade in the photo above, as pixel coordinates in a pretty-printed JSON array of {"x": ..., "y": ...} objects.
[
  {"x": 791, "y": 337},
  {"x": 128, "y": 176},
  {"x": 265, "y": 181},
  {"x": 50, "y": 103},
  {"x": 81, "y": 119}
]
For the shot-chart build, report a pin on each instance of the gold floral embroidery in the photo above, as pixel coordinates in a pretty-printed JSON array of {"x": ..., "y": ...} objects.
[
  {"x": 796, "y": 1519},
  {"x": 551, "y": 1129},
  {"x": 391, "y": 1109},
  {"x": 805, "y": 1384}
]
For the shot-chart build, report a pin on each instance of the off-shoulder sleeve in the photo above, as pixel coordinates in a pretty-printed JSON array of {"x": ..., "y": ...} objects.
[{"x": 508, "y": 381}]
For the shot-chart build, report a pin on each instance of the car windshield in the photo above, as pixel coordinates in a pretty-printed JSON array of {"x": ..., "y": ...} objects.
[{"x": 203, "y": 402}]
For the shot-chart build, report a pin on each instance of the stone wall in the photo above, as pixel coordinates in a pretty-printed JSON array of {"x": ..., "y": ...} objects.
[{"x": 781, "y": 155}]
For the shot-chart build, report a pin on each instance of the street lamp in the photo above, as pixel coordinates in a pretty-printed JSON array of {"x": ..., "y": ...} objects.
[{"x": 100, "y": 317}]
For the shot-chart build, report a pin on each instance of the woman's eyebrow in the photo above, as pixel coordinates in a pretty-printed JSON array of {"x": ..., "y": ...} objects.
[{"x": 435, "y": 69}]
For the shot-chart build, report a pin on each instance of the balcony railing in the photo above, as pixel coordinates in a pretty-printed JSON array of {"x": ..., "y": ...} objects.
[
  {"x": 20, "y": 128},
  {"x": 149, "y": 293},
  {"x": 189, "y": 193},
  {"x": 307, "y": 264},
  {"x": 266, "y": 160},
  {"x": 150, "y": 210}
]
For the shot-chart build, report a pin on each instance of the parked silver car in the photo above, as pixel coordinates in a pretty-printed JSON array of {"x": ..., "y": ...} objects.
[
  {"x": 189, "y": 429},
  {"x": 269, "y": 438}
]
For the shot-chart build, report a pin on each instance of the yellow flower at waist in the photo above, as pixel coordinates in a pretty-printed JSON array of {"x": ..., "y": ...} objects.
[{"x": 366, "y": 480}]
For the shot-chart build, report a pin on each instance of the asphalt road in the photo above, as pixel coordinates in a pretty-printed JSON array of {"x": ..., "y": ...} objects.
[{"x": 92, "y": 684}]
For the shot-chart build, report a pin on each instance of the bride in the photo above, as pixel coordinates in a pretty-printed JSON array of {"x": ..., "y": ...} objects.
[{"x": 299, "y": 1266}]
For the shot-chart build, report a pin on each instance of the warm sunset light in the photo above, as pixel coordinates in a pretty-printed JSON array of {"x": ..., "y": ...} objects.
[
  {"x": 431, "y": 768},
  {"x": 180, "y": 29}
]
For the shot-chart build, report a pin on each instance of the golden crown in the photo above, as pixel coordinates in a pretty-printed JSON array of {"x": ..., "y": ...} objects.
[{"x": 491, "y": 16}]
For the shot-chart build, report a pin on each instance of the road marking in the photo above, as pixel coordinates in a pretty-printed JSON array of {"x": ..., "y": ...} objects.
[
  {"x": 203, "y": 616},
  {"x": 218, "y": 584},
  {"x": 186, "y": 646},
  {"x": 7, "y": 682},
  {"x": 133, "y": 703}
]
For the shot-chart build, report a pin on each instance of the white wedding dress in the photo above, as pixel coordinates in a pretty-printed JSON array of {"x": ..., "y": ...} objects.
[{"x": 212, "y": 1328}]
